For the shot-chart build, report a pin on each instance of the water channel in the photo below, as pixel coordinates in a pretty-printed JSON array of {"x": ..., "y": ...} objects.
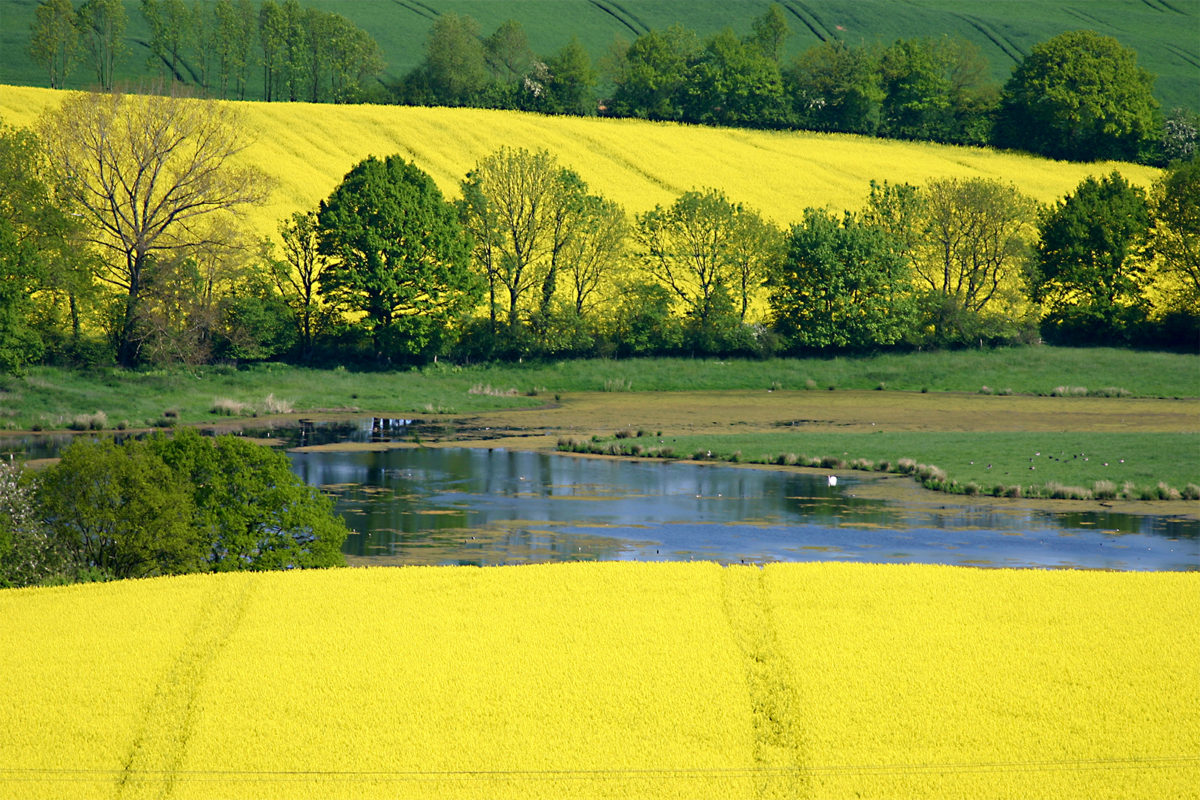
[{"x": 434, "y": 505}]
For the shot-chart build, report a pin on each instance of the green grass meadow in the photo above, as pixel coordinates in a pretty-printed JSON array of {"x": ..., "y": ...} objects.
[
  {"x": 1163, "y": 32},
  {"x": 49, "y": 398}
]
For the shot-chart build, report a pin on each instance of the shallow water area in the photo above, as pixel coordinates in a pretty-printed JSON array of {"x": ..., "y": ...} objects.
[{"x": 420, "y": 505}]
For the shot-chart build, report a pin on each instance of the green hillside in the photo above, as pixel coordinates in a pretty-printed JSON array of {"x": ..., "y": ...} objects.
[{"x": 1165, "y": 33}]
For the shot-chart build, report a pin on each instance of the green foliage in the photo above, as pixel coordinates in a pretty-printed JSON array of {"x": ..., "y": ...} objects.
[
  {"x": 1175, "y": 240},
  {"x": 102, "y": 27},
  {"x": 643, "y": 323},
  {"x": 834, "y": 87},
  {"x": 54, "y": 39},
  {"x": 254, "y": 512},
  {"x": 706, "y": 250},
  {"x": 183, "y": 503},
  {"x": 28, "y": 555},
  {"x": 974, "y": 241},
  {"x": 398, "y": 254},
  {"x": 1079, "y": 95},
  {"x": 1090, "y": 262},
  {"x": 119, "y": 510},
  {"x": 841, "y": 285},
  {"x": 733, "y": 82},
  {"x": 651, "y": 74}
]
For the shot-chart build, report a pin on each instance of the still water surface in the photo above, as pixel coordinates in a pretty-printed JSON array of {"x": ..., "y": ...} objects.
[{"x": 480, "y": 506}]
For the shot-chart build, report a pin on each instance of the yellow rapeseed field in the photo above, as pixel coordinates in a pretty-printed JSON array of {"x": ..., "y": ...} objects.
[
  {"x": 605, "y": 680},
  {"x": 309, "y": 148}
]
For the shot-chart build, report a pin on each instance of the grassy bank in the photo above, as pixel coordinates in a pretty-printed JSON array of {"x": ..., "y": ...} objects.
[
  {"x": 1092, "y": 465},
  {"x": 52, "y": 398},
  {"x": 605, "y": 680}
]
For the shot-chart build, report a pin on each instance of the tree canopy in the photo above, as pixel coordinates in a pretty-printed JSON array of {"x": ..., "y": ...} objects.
[
  {"x": 1079, "y": 95},
  {"x": 398, "y": 254}
]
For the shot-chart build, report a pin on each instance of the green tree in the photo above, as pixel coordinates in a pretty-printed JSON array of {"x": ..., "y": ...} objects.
[
  {"x": 732, "y": 82},
  {"x": 526, "y": 215},
  {"x": 172, "y": 32},
  {"x": 298, "y": 277},
  {"x": 398, "y": 254},
  {"x": 53, "y": 39},
  {"x": 39, "y": 255},
  {"x": 1090, "y": 266},
  {"x": 650, "y": 75},
  {"x": 101, "y": 24},
  {"x": 771, "y": 32},
  {"x": 975, "y": 241},
  {"x": 251, "y": 511},
  {"x": 1175, "y": 238},
  {"x": 833, "y": 87},
  {"x": 455, "y": 65},
  {"x": 1079, "y": 95},
  {"x": 119, "y": 511},
  {"x": 698, "y": 248},
  {"x": 842, "y": 284},
  {"x": 272, "y": 36},
  {"x": 507, "y": 52},
  {"x": 155, "y": 181},
  {"x": 571, "y": 84}
]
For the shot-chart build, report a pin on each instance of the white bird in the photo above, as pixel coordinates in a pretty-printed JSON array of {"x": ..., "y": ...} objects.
[{"x": 833, "y": 480}]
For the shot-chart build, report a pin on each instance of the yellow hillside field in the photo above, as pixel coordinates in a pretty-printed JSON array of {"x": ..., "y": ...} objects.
[
  {"x": 309, "y": 148},
  {"x": 605, "y": 680}
]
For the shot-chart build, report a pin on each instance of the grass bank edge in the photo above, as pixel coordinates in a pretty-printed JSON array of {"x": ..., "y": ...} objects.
[
  {"x": 53, "y": 398},
  {"x": 730, "y": 449}
]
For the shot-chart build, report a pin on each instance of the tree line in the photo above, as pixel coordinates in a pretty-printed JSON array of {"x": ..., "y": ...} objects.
[
  {"x": 218, "y": 46},
  {"x": 120, "y": 241},
  {"x": 1079, "y": 95}
]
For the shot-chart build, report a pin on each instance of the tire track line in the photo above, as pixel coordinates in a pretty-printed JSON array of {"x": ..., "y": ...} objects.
[
  {"x": 159, "y": 749},
  {"x": 774, "y": 702}
]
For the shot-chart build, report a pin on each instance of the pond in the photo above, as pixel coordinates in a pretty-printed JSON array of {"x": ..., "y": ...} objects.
[{"x": 496, "y": 506}]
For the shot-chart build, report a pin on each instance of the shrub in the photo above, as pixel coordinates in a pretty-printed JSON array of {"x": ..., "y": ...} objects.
[
  {"x": 226, "y": 407},
  {"x": 1104, "y": 490},
  {"x": 1191, "y": 492}
]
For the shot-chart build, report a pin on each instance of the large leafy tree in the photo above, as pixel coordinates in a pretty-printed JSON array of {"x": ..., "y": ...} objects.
[
  {"x": 398, "y": 254},
  {"x": 842, "y": 284},
  {"x": 533, "y": 222},
  {"x": 651, "y": 73},
  {"x": 40, "y": 259},
  {"x": 833, "y": 87},
  {"x": 121, "y": 511},
  {"x": 733, "y": 82},
  {"x": 153, "y": 178},
  {"x": 1090, "y": 266},
  {"x": 1079, "y": 95},
  {"x": 250, "y": 509}
]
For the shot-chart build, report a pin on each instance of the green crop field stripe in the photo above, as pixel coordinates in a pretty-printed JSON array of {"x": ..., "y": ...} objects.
[{"x": 1006, "y": 45}]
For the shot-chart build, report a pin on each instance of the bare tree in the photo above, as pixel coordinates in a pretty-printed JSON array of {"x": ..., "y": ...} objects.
[
  {"x": 155, "y": 178},
  {"x": 298, "y": 275}
]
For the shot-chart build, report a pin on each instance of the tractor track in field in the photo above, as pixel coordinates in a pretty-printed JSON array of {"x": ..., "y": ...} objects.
[
  {"x": 1185, "y": 55},
  {"x": 774, "y": 701},
  {"x": 418, "y": 8},
  {"x": 158, "y": 750},
  {"x": 809, "y": 19},
  {"x": 621, "y": 16},
  {"x": 1006, "y": 45}
]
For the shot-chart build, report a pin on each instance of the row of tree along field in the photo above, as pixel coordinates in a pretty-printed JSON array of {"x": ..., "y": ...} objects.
[
  {"x": 119, "y": 241},
  {"x": 1079, "y": 95}
]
